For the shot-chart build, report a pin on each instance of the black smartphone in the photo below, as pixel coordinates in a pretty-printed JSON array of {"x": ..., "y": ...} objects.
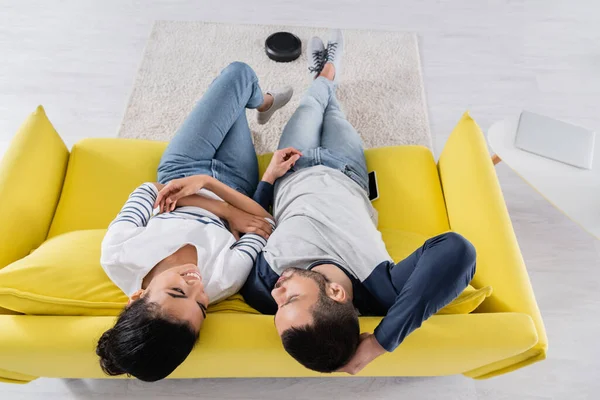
[{"x": 373, "y": 191}]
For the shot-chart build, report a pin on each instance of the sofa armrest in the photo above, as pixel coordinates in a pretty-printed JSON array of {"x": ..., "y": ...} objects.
[
  {"x": 31, "y": 177},
  {"x": 476, "y": 209}
]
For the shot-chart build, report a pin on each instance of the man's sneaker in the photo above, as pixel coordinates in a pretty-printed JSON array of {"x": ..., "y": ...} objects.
[
  {"x": 334, "y": 51},
  {"x": 315, "y": 56}
]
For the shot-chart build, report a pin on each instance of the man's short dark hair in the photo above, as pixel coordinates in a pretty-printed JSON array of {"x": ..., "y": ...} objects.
[
  {"x": 145, "y": 344},
  {"x": 330, "y": 341}
]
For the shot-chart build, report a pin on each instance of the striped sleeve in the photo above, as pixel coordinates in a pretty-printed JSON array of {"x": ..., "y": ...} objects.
[
  {"x": 250, "y": 245},
  {"x": 130, "y": 221},
  {"x": 138, "y": 207}
]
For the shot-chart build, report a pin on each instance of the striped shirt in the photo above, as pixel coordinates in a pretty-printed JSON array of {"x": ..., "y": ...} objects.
[{"x": 137, "y": 240}]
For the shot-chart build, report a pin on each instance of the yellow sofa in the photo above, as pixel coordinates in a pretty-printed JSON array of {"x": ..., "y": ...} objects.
[{"x": 55, "y": 206}]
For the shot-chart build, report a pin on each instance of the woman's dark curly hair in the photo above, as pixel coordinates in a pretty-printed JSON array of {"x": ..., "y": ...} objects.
[{"x": 145, "y": 344}]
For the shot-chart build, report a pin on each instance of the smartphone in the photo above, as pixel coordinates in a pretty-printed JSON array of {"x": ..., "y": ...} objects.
[{"x": 373, "y": 191}]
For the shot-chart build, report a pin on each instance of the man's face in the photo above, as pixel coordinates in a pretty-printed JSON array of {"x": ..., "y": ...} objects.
[
  {"x": 180, "y": 294},
  {"x": 296, "y": 292}
]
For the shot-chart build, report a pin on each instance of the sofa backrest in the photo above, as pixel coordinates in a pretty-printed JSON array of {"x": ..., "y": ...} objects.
[
  {"x": 100, "y": 176},
  {"x": 102, "y": 173}
]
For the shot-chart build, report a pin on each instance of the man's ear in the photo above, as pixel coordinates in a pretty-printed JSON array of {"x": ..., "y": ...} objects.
[
  {"x": 138, "y": 294},
  {"x": 336, "y": 292}
]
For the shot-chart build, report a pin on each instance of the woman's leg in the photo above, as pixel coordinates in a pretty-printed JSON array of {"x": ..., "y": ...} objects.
[
  {"x": 204, "y": 135},
  {"x": 236, "y": 163},
  {"x": 303, "y": 130}
]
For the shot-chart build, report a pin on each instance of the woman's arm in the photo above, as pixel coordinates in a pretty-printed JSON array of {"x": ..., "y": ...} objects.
[
  {"x": 177, "y": 189},
  {"x": 173, "y": 191},
  {"x": 233, "y": 197},
  {"x": 217, "y": 207},
  {"x": 239, "y": 221}
]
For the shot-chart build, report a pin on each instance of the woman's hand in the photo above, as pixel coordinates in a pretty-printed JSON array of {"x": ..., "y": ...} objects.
[
  {"x": 178, "y": 188},
  {"x": 158, "y": 186},
  {"x": 241, "y": 222},
  {"x": 281, "y": 163}
]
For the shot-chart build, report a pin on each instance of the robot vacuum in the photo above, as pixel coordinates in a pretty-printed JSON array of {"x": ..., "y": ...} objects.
[{"x": 283, "y": 47}]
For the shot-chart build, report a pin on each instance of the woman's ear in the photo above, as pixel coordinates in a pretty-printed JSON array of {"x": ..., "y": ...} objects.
[
  {"x": 336, "y": 292},
  {"x": 138, "y": 294}
]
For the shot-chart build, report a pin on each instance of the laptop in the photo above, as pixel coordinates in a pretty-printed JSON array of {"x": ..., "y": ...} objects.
[{"x": 557, "y": 140}]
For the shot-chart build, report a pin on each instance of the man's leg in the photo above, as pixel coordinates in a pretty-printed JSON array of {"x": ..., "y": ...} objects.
[
  {"x": 303, "y": 130},
  {"x": 340, "y": 137},
  {"x": 204, "y": 131}
]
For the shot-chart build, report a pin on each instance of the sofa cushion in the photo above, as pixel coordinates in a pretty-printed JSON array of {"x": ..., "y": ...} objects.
[
  {"x": 32, "y": 171},
  {"x": 467, "y": 301},
  {"x": 64, "y": 277}
]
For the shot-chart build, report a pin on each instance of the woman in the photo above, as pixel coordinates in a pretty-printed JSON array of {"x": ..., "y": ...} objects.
[{"x": 173, "y": 264}]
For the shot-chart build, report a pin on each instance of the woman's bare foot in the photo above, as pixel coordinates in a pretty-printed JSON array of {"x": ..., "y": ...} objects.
[
  {"x": 273, "y": 101},
  {"x": 267, "y": 102}
]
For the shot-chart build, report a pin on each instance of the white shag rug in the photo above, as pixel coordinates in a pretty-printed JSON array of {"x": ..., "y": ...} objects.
[{"x": 381, "y": 89}]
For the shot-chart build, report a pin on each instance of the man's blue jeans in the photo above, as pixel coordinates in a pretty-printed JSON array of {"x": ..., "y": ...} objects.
[{"x": 320, "y": 130}]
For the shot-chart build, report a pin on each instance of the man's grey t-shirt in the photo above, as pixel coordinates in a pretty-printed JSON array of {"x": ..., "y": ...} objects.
[{"x": 322, "y": 214}]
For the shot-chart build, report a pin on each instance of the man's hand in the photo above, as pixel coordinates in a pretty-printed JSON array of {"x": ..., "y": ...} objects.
[
  {"x": 281, "y": 163},
  {"x": 368, "y": 350},
  {"x": 178, "y": 188},
  {"x": 241, "y": 222}
]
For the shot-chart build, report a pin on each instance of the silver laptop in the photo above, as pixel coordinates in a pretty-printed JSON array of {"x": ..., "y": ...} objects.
[{"x": 555, "y": 139}]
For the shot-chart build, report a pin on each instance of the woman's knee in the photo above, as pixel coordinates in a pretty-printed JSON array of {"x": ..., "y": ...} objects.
[{"x": 240, "y": 69}]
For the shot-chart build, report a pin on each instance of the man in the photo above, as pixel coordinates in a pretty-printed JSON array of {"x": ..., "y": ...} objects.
[{"x": 327, "y": 259}]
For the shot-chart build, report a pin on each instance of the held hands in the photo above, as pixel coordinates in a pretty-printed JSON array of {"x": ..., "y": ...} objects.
[
  {"x": 368, "y": 350},
  {"x": 241, "y": 222},
  {"x": 281, "y": 163},
  {"x": 176, "y": 189}
]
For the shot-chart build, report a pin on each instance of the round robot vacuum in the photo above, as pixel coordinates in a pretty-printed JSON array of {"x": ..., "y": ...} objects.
[{"x": 283, "y": 47}]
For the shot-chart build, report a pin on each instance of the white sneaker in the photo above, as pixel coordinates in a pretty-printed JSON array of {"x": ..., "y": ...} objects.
[
  {"x": 280, "y": 98},
  {"x": 334, "y": 51},
  {"x": 316, "y": 56}
]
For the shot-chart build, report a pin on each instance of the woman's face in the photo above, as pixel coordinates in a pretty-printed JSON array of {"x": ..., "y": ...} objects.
[{"x": 180, "y": 294}]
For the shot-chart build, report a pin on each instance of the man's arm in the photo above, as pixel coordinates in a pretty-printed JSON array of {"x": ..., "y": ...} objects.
[
  {"x": 234, "y": 197},
  {"x": 281, "y": 162},
  {"x": 426, "y": 281},
  {"x": 264, "y": 194},
  {"x": 240, "y": 222}
]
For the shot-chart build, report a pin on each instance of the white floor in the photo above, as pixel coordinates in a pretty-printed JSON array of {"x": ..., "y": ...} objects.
[{"x": 79, "y": 59}]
